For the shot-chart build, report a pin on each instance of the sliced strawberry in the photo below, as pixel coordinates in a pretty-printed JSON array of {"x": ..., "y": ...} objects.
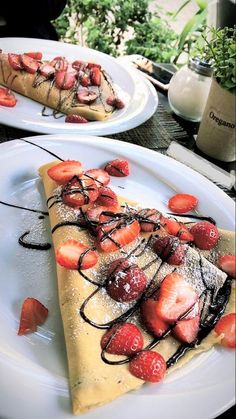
[
  {"x": 122, "y": 339},
  {"x": 118, "y": 168},
  {"x": 118, "y": 237},
  {"x": 85, "y": 80},
  {"x": 148, "y": 366},
  {"x": 126, "y": 283},
  {"x": 93, "y": 214},
  {"x": 228, "y": 264},
  {"x": 107, "y": 197},
  {"x": 182, "y": 203},
  {"x": 46, "y": 70},
  {"x": 76, "y": 119},
  {"x": 63, "y": 172},
  {"x": 116, "y": 102},
  {"x": 176, "y": 228},
  {"x": 153, "y": 323},
  {"x": 86, "y": 96},
  {"x": 65, "y": 80},
  {"x": 101, "y": 177},
  {"x": 77, "y": 65},
  {"x": 206, "y": 235},
  {"x": 33, "y": 314},
  {"x": 170, "y": 249},
  {"x": 184, "y": 233},
  {"x": 95, "y": 76},
  {"x": 35, "y": 55},
  {"x": 92, "y": 65},
  {"x": 15, "y": 61},
  {"x": 59, "y": 63},
  {"x": 176, "y": 297},
  {"x": 29, "y": 64},
  {"x": 227, "y": 326},
  {"x": 187, "y": 330},
  {"x": 75, "y": 255},
  {"x": 80, "y": 191},
  {"x": 7, "y": 97},
  {"x": 149, "y": 219}
]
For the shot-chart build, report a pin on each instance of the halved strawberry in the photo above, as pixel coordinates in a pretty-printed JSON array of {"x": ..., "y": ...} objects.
[
  {"x": 95, "y": 76},
  {"x": 149, "y": 219},
  {"x": 175, "y": 228},
  {"x": 122, "y": 339},
  {"x": 63, "y": 172},
  {"x": 78, "y": 64},
  {"x": 76, "y": 119},
  {"x": 227, "y": 326},
  {"x": 75, "y": 255},
  {"x": 150, "y": 318},
  {"x": 118, "y": 168},
  {"x": 93, "y": 214},
  {"x": 29, "y": 64},
  {"x": 86, "y": 96},
  {"x": 7, "y": 97},
  {"x": 101, "y": 177},
  {"x": 170, "y": 249},
  {"x": 85, "y": 80},
  {"x": 118, "y": 237},
  {"x": 116, "y": 102},
  {"x": 186, "y": 330},
  {"x": 228, "y": 264},
  {"x": 59, "y": 63},
  {"x": 148, "y": 366},
  {"x": 92, "y": 65},
  {"x": 35, "y": 55},
  {"x": 80, "y": 191},
  {"x": 107, "y": 197},
  {"x": 46, "y": 70},
  {"x": 206, "y": 235},
  {"x": 33, "y": 314},
  {"x": 65, "y": 80},
  {"x": 182, "y": 203},
  {"x": 15, "y": 61},
  {"x": 176, "y": 297}
]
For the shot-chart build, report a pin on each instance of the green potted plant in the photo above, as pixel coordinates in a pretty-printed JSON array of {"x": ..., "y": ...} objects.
[{"x": 216, "y": 136}]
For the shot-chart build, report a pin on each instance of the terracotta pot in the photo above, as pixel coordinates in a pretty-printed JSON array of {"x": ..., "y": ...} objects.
[{"x": 216, "y": 136}]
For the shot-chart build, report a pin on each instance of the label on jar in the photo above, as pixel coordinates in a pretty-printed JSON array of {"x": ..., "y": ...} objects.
[{"x": 216, "y": 118}]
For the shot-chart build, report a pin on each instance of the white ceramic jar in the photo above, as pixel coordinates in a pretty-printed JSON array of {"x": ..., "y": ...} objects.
[{"x": 189, "y": 89}]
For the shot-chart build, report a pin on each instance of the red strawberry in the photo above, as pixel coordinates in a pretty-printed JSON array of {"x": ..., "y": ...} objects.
[
  {"x": 148, "y": 366},
  {"x": 35, "y": 55},
  {"x": 122, "y": 339},
  {"x": 118, "y": 168},
  {"x": 150, "y": 318},
  {"x": 227, "y": 326},
  {"x": 149, "y": 219},
  {"x": 7, "y": 98},
  {"x": 29, "y": 64},
  {"x": 64, "y": 80},
  {"x": 118, "y": 237},
  {"x": 75, "y": 255},
  {"x": 187, "y": 330},
  {"x": 78, "y": 64},
  {"x": 93, "y": 214},
  {"x": 85, "y": 80},
  {"x": 76, "y": 119},
  {"x": 170, "y": 250},
  {"x": 46, "y": 70},
  {"x": 228, "y": 264},
  {"x": 107, "y": 197},
  {"x": 63, "y": 172},
  {"x": 80, "y": 191},
  {"x": 86, "y": 96},
  {"x": 15, "y": 61},
  {"x": 206, "y": 235},
  {"x": 59, "y": 63},
  {"x": 92, "y": 65},
  {"x": 114, "y": 101},
  {"x": 101, "y": 177},
  {"x": 33, "y": 314},
  {"x": 175, "y": 298},
  {"x": 176, "y": 228},
  {"x": 95, "y": 76},
  {"x": 182, "y": 203},
  {"x": 126, "y": 284}
]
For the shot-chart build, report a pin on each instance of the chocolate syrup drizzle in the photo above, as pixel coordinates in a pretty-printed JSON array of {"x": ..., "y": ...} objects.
[{"x": 218, "y": 302}]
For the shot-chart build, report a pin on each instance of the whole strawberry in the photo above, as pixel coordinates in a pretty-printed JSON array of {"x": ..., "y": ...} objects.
[
  {"x": 122, "y": 339},
  {"x": 148, "y": 366},
  {"x": 206, "y": 235}
]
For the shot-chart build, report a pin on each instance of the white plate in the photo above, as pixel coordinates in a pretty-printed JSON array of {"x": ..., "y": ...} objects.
[
  {"x": 33, "y": 368},
  {"x": 138, "y": 94}
]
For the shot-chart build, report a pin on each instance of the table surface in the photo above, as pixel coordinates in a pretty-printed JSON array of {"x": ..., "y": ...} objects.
[{"x": 157, "y": 134}]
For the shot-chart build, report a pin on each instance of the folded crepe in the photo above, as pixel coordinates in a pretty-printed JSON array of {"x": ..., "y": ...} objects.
[
  {"x": 44, "y": 90},
  {"x": 92, "y": 381}
]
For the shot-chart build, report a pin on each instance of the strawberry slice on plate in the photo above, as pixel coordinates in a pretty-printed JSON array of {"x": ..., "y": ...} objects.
[
  {"x": 15, "y": 61},
  {"x": 150, "y": 318},
  {"x": 95, "y": 76},
  {"x": 122, "y": 339},
  {"x": 118, "y": 168},
  {"x": 101, "y": 177},
  {"x": 7, "y": 98},
  {"x": 170, "y": 249},
  {"x": 148, "y": 366},
  {"x": 65, "y": 80},
  {"x": 228, "y": 264},
  {"x": 29, "y": 64},
  {"x": 182, "y": 203},
  {"x": 80, "y": 191},
  {"x": 35, "y": 55},
  {"x": 46, "y": 70},
  {"x": 227, "y": 326},
  {"x": 93, "y": 214},
  {"x": 186, "y": 330},
  {"x": 118, "y": 237},
  {"x": 63, "y": 172},
  {"x": 33, "y": 314},
  {"x": 86, "y": 96},
  {"x": 107, "y": 197},
  {"x": 176, "y": 297},
  {"x": 76, "y": 119},
  {"x": 175, "y": 228},
  {"x": 59, "y": 63},
  {"x": 75, "y": 255}
]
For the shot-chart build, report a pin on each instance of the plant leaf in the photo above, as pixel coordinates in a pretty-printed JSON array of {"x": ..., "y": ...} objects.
[
  {"x": 191, "y": 26},
  {"x": 180, "y": 8},
  {"x": 202, "y": 4}
]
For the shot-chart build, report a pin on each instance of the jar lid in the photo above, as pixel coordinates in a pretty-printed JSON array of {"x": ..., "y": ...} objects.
[{"x": 200, "y": 67}]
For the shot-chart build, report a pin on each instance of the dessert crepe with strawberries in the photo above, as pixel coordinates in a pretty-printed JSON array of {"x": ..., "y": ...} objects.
[
  {"x": 77, "y": 88},
  {"x": 93, "y": 239}
]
